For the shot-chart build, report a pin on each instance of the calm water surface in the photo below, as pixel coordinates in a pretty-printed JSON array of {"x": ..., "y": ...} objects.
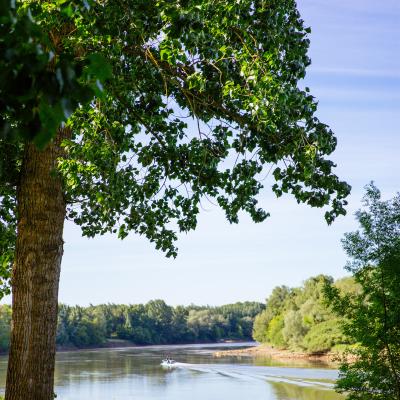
[{"x": 135, "y": 373}]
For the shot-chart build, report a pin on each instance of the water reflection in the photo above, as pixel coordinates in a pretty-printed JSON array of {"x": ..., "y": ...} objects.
[
  {"x": 287, "y": 391},
  {"x": 135, "y": 373}
]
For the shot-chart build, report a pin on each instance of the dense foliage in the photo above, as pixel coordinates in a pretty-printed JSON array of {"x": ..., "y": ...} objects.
[
  {"x": 373, "y": 315},
  {"x": 200, "y": 101},
  {"x": 42, "y": 83},
  {"x": 300, "y": 319},
  {"x": 151, "y": 323}
]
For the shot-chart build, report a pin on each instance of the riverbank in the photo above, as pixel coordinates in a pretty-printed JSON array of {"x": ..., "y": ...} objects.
[{"x": 281, "y": 354}]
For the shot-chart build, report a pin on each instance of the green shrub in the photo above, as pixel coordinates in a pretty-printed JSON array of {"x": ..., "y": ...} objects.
[
  {"x": 274, "y": 333},
  {"x": 260, "y": 326},
  {"x": 323, "y": 336},
  {"x": 294, "y": 329}
]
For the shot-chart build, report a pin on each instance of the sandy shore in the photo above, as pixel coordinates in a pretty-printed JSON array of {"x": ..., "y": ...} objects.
[{"x": 270, "y": 352}]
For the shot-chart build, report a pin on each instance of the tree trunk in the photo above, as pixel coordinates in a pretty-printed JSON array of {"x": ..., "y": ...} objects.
[{"x": 36, "y": 272}]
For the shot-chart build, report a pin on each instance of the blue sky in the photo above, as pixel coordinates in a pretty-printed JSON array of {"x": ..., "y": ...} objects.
[{"x": 355, "y": 75}]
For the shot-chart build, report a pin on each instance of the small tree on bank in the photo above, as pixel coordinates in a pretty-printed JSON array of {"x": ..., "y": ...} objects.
[
  {"x": 373, "y": 315},
  {"x": 201, "y": 102}
]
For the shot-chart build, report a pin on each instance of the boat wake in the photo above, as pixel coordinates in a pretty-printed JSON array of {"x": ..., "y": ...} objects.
[{"x": 324, "y": 379}]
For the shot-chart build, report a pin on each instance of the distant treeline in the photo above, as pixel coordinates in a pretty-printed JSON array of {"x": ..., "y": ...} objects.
[
  {"x": 301, "y": 319},
  {"x": 151, "y": 323}
]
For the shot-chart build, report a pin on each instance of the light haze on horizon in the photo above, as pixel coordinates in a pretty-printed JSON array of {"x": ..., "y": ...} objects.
[{"x": 355, "y": 75}]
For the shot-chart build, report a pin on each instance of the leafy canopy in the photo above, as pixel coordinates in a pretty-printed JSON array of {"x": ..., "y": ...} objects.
[
  {"x": 203, "y": 97},
  {"x": 200, "y": 101},
  {"x": 42, "y": 82}
]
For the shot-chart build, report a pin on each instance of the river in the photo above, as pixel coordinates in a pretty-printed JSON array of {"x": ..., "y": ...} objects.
[{"x": 135, "y": 373}]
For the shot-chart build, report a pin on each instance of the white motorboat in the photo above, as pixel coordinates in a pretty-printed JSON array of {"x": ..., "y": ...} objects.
[{"x": 168, "y": 363}]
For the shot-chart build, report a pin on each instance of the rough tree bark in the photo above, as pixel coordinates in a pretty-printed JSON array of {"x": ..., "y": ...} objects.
[{"x": 36, "y": 272}]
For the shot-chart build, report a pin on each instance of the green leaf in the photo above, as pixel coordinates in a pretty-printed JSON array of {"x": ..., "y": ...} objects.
[{"x": 99, "y": 67}]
